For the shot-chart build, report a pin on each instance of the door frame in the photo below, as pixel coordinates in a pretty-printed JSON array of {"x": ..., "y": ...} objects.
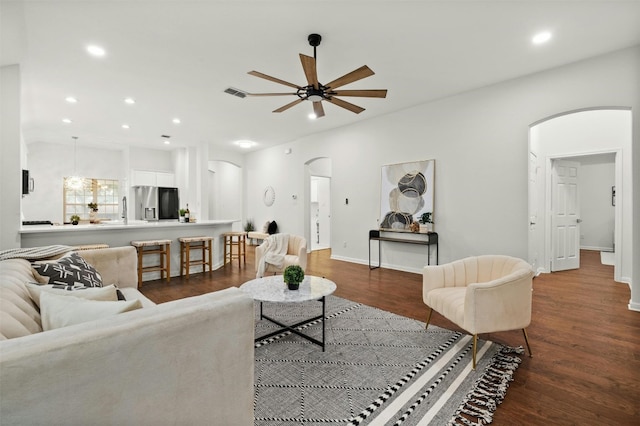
[{"x": 617, "y": 236}]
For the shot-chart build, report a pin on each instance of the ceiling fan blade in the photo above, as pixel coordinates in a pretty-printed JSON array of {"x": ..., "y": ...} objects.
[
  {"x": 275, "y": 80},
  {"x": 271, "y": 94},
  {"x": 359, "y": 74},
  {"x": 289, "y": 105},
  {"x": 346, "y": 105},
  {"x": 382, "y": 93},
  {"x": 309, "y": 67},
  {"x": 318, "y": 109}
]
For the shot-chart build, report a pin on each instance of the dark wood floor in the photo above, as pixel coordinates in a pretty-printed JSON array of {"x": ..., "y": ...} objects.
[{"x": 586, "y": 343}]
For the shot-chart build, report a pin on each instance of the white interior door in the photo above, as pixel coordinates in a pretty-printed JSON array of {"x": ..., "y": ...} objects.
[{"x": 565, "y": 211}]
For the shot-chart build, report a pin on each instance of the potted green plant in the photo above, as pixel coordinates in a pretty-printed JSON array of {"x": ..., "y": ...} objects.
[
  {"x": 93, "y": 212},
  {"x": 426, "y": 220},
  {"x": 293, "y": 276},
  {"x": 181, "y": 212},
  {"x": 248, "y": 226},
  {"x": 74, "y": 219}
]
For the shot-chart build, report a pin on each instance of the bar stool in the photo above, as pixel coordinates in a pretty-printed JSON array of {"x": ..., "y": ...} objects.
[
  {"x": 237, "y": 240},
  {"x": 188, "y": 243},
  {"x": 161, "y": 247}
]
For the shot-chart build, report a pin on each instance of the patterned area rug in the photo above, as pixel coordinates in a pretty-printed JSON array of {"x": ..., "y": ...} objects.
[{"x": 378, "y": 369}]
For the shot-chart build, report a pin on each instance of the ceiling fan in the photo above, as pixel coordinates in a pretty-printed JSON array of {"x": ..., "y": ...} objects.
[{"x": 317, "y": 92}]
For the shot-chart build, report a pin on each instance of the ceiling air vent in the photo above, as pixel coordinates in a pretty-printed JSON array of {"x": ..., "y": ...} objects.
[{"x": 236, "y": 92}]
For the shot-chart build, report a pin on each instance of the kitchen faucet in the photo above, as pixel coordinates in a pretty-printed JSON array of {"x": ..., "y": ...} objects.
[{"x": 124, "y": 210}]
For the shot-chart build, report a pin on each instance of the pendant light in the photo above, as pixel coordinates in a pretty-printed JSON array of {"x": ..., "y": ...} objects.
[{"x": 75, "y": 182}]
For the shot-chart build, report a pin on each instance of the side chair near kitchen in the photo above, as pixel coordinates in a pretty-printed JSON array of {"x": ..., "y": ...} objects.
[
  {"x": 481, "y": 294},
  {"x": 279, "y": 251}
]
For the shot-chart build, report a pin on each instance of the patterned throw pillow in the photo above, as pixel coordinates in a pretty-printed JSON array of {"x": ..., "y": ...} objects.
[{"x": 72, "y": 269}]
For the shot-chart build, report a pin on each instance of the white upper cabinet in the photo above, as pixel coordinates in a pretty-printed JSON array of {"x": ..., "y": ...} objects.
[
  {"x": 166, "y": 179},
  {"x": 147, "y": 178}
]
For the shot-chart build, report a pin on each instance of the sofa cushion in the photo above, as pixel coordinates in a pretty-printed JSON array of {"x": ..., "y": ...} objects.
[
  {"x": 71, "y": 269},
  {"x": 19, "y": 316},
  {"x": 60, "y": 311},
  {"x": 108, "y": 293}
]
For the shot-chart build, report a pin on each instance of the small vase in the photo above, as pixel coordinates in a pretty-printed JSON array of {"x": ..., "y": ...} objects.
[
  {"x": 293, "y": 286},
  {"x": 93, "y": 216},
  {"x": 75, "y": 222}
]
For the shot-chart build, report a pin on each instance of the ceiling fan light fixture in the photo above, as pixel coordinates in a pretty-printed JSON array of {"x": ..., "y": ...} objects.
[{"x": 316, "y": 92}]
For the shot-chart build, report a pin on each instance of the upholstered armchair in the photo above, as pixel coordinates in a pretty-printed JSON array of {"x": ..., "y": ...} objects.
[
  {"x": 296, "y": 253},
  {"x": 482, "y": 294}
]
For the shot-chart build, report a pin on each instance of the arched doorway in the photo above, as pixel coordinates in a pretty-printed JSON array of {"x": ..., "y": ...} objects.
[
  {"x": 318, "y": 207},
  {"x": 569, "y": 138}
]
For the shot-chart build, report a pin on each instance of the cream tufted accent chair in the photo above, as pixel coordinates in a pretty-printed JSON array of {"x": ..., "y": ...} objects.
[
  {"x": 482, "y": 294},
  {"x": 296, "y": 255}
]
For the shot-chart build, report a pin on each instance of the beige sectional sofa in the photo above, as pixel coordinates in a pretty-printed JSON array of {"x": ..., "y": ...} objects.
[{"x": 189, "y": 361}]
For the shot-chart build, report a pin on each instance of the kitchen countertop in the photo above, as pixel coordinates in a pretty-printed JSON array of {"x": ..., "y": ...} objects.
[{"x": 118, "y": 225}]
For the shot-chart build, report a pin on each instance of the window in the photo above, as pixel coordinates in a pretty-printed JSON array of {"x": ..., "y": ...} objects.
[{"x": 103, "y": 192}]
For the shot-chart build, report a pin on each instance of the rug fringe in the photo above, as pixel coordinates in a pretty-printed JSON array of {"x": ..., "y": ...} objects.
[{"x": 478, "y": 406}]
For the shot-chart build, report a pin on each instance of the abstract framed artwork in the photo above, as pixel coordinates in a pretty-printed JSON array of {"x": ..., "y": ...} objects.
[{"x": 406, "y": 192}]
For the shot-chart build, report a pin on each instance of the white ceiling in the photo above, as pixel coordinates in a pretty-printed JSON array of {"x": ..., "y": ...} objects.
[{"x": 177, "y": 57}]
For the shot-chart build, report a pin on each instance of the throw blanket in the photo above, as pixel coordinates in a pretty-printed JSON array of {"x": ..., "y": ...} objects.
[
  {"x": 34, "y": 253},
  {"x": 275, "y": 247}
]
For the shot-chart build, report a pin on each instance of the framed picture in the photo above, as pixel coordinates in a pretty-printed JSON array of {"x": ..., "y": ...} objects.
[{"x": 406, "y": 192}]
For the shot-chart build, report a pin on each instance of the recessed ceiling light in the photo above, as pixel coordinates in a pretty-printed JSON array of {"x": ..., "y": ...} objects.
[
  {"x": 167, "y": 142},
  {"x": 129, "y": 101},
  {"x": 176, "y": 121},
  {"x": 66, "y": 121},
  {"x": 125, "y": 126},
  {"x": 312, "y": 116},
  {"x": 245, "y": 144},
  {"x": 71, "y": 100},
  {"x": 96, "y": 50},
  {"x": 541, "y": 38}
]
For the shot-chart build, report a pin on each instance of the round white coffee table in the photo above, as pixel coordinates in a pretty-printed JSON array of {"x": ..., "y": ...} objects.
[{"x": 274, "y": 289}]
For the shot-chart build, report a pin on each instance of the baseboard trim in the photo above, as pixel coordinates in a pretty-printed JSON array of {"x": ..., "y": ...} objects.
[
  {"x": 596, "y": 248},
  {"x": 633, "y": 306},
  {"x": 384, "y": 265}
]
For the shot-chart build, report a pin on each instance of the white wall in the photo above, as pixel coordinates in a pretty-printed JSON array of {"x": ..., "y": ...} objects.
[
  {"x": 225, "y": 192},
  {"x": 597, "y": 176},
  {"x": 50, "y": 163},
  {"x": 479, "y": 140},
  {"x": 10, "y": 146},
  {"x": 154, "y": 160}
]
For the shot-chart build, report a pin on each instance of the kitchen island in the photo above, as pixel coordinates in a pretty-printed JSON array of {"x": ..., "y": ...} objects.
[{"x": 116, "y": 234}]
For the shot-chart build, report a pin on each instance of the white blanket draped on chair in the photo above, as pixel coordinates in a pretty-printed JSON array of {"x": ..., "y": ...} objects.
[{"x": 275, "y": 248}]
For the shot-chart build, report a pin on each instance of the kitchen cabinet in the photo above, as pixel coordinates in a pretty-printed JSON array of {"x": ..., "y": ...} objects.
[{"x": 149, "y": 178}]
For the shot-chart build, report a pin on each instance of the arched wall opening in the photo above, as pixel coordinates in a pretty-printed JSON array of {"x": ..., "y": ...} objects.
[
  {"x": 582, "y": 136},
  {"x": 318, "y": 207}
]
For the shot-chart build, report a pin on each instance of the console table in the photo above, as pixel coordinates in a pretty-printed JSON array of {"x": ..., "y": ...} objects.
[{"x": 425, "y": 239}]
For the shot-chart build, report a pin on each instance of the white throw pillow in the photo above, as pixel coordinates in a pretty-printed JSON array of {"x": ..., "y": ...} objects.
[
  {"x": 60, "y": 311},
  {"x": 90, "y": 293}
]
